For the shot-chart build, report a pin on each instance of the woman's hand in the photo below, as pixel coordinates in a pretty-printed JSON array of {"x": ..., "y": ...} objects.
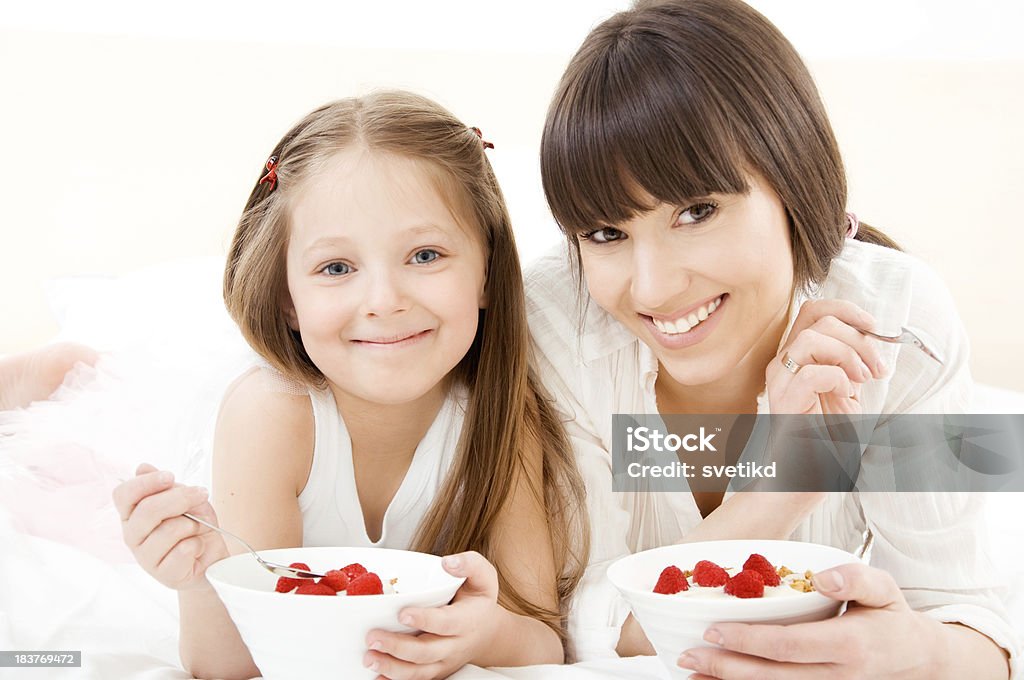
[
  {"x": 452, "y": 635},
  {"x": 173, "y": 549},
  {"x": 830, "y": 360},
  {"x": 879, "y": 636}
]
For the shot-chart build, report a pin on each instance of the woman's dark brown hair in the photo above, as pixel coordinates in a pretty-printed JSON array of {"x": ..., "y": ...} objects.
[
  {"x": 678, "y": 99},
  {"x": 506, "y": 414}
]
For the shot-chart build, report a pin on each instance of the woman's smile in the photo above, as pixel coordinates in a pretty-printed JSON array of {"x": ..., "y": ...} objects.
[{"x": 688, "y": 328}]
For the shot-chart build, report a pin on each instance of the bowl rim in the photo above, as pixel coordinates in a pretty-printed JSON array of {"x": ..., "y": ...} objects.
[
  {"x": 749, "y": 606},
  {"x": 453, "y": 583}
]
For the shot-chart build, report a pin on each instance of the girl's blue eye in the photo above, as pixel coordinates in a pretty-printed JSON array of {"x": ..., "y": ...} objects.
[
  {"x": 425, "y": 256},
  {"x": 698, "y": 212},
  {"x": 336, "y": 269},
  {"x": 603, "y": 235}
]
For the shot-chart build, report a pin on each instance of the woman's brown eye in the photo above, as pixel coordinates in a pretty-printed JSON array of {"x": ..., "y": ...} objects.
[
  {"x": 697, "y": 213},
  {"x": 604, "y": 235}
]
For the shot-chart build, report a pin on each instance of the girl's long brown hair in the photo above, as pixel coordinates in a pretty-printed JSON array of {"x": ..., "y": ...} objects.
[
  {"x": 506, "y": 413},
  {"x": 678, "y": 99}
]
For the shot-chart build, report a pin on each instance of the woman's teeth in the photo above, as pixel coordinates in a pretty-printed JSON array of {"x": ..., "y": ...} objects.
[{"x": 686, "y": 323}]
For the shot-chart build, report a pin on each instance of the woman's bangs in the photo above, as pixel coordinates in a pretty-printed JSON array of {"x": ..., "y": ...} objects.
[{"x": 623, "y": 137}]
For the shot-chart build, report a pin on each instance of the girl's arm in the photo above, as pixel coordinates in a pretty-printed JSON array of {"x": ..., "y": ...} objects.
[
  {"x": 523, "y": 554},
  {"x": 475, "y": 628},
  {"x": 262, "y": 453}
]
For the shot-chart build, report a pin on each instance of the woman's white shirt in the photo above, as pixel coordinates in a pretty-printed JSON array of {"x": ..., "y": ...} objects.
[{"x": 931, "y": 543}]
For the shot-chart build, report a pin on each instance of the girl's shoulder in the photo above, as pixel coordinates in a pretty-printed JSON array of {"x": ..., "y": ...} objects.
[{"x": 266, "y": 422}]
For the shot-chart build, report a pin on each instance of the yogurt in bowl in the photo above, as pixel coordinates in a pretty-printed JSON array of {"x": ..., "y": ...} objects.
[
  {"x": 310, "y": 637},
  {"x": 676, "y": 622}
]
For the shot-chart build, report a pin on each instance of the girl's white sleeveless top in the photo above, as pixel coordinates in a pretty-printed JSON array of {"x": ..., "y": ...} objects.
[{"x": 331, "y": 514}]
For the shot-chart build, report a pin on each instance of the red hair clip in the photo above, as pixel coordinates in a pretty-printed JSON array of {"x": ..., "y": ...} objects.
[
  {"x": 271, "y": 175},
  {"x": 487, "y": 145}
]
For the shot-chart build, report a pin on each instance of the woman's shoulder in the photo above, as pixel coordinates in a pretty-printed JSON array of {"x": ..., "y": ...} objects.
[
  {"x": 553, "y": 283},
  {"x": 565, "y": 323},
  {"x": 902, "y": 290},
  {"x": 894, "y": 285}
]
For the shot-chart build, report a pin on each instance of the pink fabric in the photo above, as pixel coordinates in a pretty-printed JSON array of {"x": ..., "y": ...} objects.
[{"x": 63, "y": 494}]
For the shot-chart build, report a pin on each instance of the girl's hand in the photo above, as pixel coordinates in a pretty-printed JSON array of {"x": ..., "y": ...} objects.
[
  {"x": 452, "y": 635},
  {"x": 832, "y": 360},
  {"x": 879, "y": 636},
  {"x": 173, "y": 549}
]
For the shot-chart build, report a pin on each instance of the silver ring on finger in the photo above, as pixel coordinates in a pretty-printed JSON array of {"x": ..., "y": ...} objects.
[{"x": 790, "y": 365}]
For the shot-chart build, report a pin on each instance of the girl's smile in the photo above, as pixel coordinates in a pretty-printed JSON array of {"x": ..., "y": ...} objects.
[
  {"x": 396, "y": 341},
  {"x": 386, "y": 283}
]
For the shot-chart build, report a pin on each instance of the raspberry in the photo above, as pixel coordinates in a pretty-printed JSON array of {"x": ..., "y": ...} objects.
[
  {"x": 311, "y": 588},
  {"x": 367, "y": 584},
  {"x": 762, "y": 566},
  {"x": 709, "y": 574},
  {"x": 354, "y": 571},
  {"x": 671, "y": 581},
  {"x": 287, "y": 585},
  {"x": 336, "y": 579},
  {"x": 748, "y": 583}
]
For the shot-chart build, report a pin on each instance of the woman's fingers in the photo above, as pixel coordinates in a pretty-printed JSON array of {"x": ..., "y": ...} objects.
[
  {"x": 815, "y": 347},
  {"x": 843, "y": 310},
  {"x": 842, "y": 320},
  {"x": 808, "y": 385}
]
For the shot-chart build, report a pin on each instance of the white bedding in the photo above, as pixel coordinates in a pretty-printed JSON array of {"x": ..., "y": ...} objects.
[{"x": 67, "y": 583}]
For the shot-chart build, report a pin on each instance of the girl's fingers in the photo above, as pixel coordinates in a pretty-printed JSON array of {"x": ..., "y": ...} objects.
[
  {"x": 155, "y": 547},
  {"x": 180, "y": 563},
  {"x": 152, "y": 510},
  {"x": 128, "y": 494},
  {"x": 444, "y": 621},
  {"x": 418, "y": 649},
  {"x": 396, "y": 669},
  {"x": 481, "y": 576}
]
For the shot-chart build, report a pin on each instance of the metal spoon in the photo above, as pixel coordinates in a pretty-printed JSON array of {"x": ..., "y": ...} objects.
[
  {"x": 906, "y": 336},
  {"x": 279, "y": 569}
]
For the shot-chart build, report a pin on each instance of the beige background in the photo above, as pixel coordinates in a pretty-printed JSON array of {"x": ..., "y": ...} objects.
[{"x": 131, "y": 140}]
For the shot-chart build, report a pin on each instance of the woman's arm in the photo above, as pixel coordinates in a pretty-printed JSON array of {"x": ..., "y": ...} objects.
[{"x": 262, "y": 453}]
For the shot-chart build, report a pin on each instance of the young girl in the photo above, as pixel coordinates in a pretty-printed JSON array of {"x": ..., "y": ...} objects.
[
  {"x": 375, "y": 272},
  {"x": 690, "y": 163}
]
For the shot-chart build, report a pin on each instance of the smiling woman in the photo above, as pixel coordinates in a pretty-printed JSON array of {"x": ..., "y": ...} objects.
[
  {"x": 729, "y": 258},
  {"x": 712, "y": 268}
]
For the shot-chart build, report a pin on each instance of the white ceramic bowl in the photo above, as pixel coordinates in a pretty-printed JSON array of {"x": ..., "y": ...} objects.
[
  {"x": 309, "y": 636},
  {"x": 675, "y": 624}
]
